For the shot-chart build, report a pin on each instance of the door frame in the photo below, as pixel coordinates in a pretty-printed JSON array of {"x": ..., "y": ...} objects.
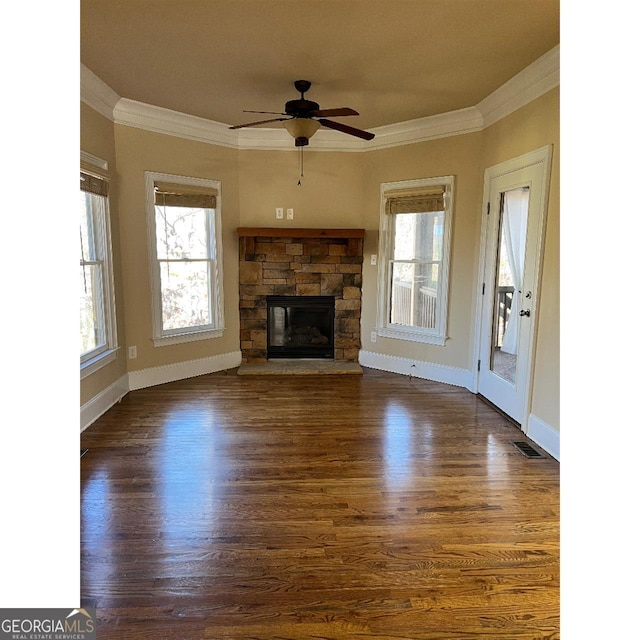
[{"x": 542, "y": 155}]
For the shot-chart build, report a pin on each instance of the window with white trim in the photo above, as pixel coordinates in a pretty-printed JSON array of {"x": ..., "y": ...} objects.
[
  {"x": 97, "y": 305},
  {"x": 185, "y": 247},
  {"x": 415, "y": 224}
]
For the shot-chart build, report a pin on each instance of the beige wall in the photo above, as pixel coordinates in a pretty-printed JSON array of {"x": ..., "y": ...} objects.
[
  {"x": 330, "y": 195},
  {"x": 97, "y": 138},
  {"x": 338, "y": 190},
  {"x": 140, "y": 151},
  {"x": 459, "y": 156}
]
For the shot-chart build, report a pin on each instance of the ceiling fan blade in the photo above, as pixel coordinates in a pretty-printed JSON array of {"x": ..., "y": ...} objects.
[
  {"x": 254, "y": 124},
  {"x": 277, "y": 113},
  {"x": 342, "y": 111},
  {"x": 352, "y": 131}
]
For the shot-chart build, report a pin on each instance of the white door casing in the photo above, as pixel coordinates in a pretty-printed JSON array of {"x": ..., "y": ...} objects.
[{"x": 531, "y": 170}]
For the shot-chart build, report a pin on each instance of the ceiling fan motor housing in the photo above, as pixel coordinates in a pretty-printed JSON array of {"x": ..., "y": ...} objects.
[{"x": 301, "y": 108}]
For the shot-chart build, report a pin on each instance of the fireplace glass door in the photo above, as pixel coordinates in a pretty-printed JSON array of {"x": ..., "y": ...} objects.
[{"x": 300, "y": 326}]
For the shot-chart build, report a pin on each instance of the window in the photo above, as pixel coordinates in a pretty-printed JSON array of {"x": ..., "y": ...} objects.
[
  {"x": 415, "y": 223},
  {"x": 183, "y": 215},
  {"x": 97, "y": 307}
]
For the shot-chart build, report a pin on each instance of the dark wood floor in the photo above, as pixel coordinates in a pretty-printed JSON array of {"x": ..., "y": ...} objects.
[{"x": 328, "y": 507}]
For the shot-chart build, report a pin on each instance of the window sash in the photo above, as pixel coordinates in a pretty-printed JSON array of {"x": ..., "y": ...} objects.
[
  {"x": 419, "y": 223},
  {"x": 94, "y": 269},
  {"x": 209, "y": 260},
  {"x": 96, "y": 278},
  {"x": 209, "y": 232},
  {"x": 414, "y": 302},
  {"x": 210, "y": 292},
  {"x": 420, "y": 305}
]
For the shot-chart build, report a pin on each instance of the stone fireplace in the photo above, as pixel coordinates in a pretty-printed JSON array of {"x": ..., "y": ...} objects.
[{"x": 284, "y": 264}]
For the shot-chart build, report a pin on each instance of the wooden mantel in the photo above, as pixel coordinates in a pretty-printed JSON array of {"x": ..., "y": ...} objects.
[{"x": 288, "y": 232}]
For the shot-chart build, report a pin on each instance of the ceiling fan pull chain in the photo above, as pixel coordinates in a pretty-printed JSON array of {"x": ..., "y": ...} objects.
[{"x": 301, "y": 165}]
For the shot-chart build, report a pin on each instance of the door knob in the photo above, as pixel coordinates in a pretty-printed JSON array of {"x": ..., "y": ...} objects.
[{"x": 525, "y": 312}]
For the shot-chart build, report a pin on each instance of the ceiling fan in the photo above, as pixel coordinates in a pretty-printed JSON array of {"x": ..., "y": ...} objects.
[{"x": 304, "y": 118}]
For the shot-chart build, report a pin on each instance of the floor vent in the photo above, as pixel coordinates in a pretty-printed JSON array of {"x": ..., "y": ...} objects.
[
  {"x": 83, "y": 451},
  {"x": 527, "y": 450}
]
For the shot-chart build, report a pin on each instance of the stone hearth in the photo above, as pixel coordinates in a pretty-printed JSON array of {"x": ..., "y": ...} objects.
[
  {"x": 300, "y": 262},
  {"x": 300, "y": 368}
]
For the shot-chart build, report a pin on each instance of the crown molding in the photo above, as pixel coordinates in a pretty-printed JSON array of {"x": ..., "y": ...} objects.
[
  {"x": 443, "y": 125},
  {"x": 532, "y": 82},
  {"x": 88, "y": 158},
  {"x": 160, "y": 120},
  {"x": 96, "y": 93}
]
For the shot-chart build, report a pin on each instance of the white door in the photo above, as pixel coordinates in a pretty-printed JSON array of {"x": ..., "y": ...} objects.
[{"x": 515, "y": 201}]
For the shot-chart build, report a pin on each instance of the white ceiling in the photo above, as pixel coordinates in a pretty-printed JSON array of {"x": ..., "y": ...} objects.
[{"x": 390, "y": 60}]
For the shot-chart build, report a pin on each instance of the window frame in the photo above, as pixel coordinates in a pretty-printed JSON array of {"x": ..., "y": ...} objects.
[
  {"x": 95, "y": 359},
  {"x": 385, "y": 328},
  {"x": 163, "y": 337}
]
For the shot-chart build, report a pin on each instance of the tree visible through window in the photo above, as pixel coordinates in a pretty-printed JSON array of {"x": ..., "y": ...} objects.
[{"x": 184, "y": 257}]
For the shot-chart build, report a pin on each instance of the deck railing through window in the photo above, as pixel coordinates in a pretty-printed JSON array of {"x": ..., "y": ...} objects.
[
  {"x": 505, "y": 298},
  {"x": 418, "y": 311}
]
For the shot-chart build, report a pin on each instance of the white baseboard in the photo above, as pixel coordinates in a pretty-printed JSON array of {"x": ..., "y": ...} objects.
[
  {"x": 539, "y": 431},
  {"x": 544, "y": 435},
  {"x": 102, "y": 402},
  {"x": 182, "y": 370},
  {"x": 417, "y": 368}
]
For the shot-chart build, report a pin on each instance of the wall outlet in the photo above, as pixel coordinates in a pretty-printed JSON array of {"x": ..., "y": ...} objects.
[
  {"x": 374, "y": 259},
  {"x": 289, "y": 214},
  {"x": 374, "y": 336},
  {"x": 133, "y": 353},
  {"x": 279, "y": 213}
]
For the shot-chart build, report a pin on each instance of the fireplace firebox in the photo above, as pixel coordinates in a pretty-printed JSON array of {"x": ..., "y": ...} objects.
[{"x": 300, "y": 326}]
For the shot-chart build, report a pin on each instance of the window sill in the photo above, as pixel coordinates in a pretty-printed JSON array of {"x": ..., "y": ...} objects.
[
  {"x": 99, "y": 361},
  {"x": 165, "y": 341},
  {"x": 412, "y": 336}
]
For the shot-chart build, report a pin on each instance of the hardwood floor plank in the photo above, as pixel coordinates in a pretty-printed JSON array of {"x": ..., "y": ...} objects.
[{"x": 372, "y": 506}]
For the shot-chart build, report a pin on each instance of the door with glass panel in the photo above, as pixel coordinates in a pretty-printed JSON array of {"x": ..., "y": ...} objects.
[{"x": 513, "y": 239}]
